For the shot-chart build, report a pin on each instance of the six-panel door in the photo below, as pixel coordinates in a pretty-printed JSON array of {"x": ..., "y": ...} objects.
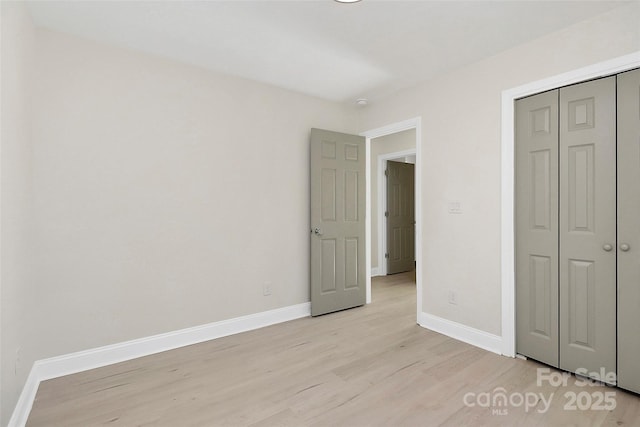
[{"x": 337, "y": 221}]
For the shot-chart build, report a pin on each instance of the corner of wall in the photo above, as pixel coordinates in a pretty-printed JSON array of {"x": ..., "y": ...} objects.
[
  {"x": 108, "y": 355},
  {"x": 18, "y": 53}
]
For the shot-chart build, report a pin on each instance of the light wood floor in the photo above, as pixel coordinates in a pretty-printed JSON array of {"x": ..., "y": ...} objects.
[{"x": 370, "y": 366}]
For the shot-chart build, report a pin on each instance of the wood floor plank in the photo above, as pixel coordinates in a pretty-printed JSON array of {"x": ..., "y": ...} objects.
[{"x": 369, "y": 366}]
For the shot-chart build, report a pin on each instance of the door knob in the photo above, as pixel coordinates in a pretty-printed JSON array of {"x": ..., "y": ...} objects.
[
  {"x": 624, "y": 247},
  {"x": 317, "y": 231},
  {"x": 607, "y": 247}
]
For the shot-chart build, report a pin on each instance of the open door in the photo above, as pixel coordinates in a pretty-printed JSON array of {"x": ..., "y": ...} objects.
[
  {"x": 400, "y": 217},
  {"x": 338, "y": 273}
]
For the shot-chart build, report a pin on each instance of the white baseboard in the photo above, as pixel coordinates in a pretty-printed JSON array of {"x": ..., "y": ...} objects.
[
  {"x": 102, "y": 356},
  {"x": 476, "y": 337},
  {"x": 376, "y": 271}
]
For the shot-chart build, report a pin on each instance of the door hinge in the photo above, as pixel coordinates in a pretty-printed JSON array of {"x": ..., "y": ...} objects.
[
  {"x": 386, "y": 256},
  {"x": 386, "y": 172},
  {"x": 386, "y": 214}
]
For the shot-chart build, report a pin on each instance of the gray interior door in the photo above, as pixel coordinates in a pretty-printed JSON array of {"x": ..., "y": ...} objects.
[
  {"x": 400, "y": 217},
  {"x": 537, "y": 227},
  {"x": 337, "y": 221},
  {"x": 588, "y": 226},
  {"x": 629, "y": 230}
]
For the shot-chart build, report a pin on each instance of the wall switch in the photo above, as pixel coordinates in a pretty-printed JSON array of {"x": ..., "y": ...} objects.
[
  {"x": 266, "y": 289},
  {"x": 453, "y": 298},
  {"x": 455, "y": 208}
]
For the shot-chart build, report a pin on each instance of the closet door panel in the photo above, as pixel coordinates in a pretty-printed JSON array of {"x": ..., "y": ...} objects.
[
  {"x": 537, "y": 227},
  {"x": 629, "y": 230},
  {"x": 588, "y": 226}
]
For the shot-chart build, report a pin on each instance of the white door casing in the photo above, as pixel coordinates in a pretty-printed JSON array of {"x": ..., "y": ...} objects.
[{"x": 415, "y": 123}]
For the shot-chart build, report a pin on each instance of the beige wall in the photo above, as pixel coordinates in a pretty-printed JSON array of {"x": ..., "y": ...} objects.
[
  {"x": 146, "y": 224},
  {"x": 143, "y": 223},
  {"x": 460, "y": 157},
  {"x": 393, "y": 143},
  {"x": 17, "y": 293}
]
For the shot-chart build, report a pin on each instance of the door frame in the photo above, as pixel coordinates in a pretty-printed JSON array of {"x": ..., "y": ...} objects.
[
  {"x": 414, "y": 123},
  {"x": 382, "y": 204},
  {"x": 601, "y": 69}
]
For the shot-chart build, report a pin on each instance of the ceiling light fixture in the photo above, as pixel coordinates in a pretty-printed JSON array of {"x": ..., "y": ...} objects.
[
  {"x": 347, "y": 1},
  {"x": 362, "y": 102}
]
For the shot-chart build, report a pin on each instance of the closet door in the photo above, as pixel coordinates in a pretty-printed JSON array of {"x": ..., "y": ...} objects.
[
  {"x": 588, "y": 226},
  {"x": 537, "y": 227},
  {"x": 629, "y": 230}
]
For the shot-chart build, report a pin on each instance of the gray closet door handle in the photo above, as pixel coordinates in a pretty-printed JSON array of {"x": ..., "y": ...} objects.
[
  {"x": 624, "y": 247},
  {"x": 607, "y": 247}
]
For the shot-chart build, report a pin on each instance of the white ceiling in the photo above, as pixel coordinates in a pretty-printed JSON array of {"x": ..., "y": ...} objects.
[{"x": 319, "y": 47}]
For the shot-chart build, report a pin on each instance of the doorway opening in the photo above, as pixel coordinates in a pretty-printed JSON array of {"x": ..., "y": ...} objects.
[
  {"x": 408, "y": 131},
  {"x": 380, "y": 244}
]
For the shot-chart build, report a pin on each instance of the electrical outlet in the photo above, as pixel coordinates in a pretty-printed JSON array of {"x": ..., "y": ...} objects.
[
  {"x": 266, "y": 289},
  {"x": 453, "y": 297}
]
